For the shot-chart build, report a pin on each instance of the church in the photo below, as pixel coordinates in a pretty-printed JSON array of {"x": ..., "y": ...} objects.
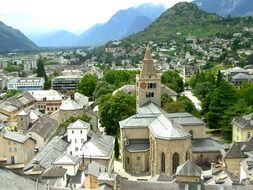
[{"x": 156, "y": 142}]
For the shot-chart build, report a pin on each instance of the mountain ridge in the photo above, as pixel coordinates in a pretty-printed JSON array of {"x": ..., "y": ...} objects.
[{"x": 12, "y": 39}]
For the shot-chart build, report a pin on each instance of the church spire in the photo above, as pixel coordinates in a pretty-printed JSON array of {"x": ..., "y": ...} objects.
[{"x": 148, "y": 68}]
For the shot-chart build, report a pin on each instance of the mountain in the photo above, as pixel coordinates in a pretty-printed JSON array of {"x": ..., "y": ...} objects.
[
  {"x": 13, "y": 40},
  {"x": 227, "y": 7},
  {"x": 189, "y": 20},
  {"x": 121, "y": 24},
  {"x": 60, "y": 38}
]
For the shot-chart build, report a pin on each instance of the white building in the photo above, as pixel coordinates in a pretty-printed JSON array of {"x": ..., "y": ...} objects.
[
  {"x": 26, "y": 84},
  {"x": 71, "y": 163},
  {"x": 77, "y": 136}
]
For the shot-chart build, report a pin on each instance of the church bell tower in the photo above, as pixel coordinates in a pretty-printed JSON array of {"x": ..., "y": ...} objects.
[{"x": 148, "y": 82}]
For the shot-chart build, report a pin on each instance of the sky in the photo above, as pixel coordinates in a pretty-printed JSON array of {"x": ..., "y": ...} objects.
[{"x": 40, "y": 16}]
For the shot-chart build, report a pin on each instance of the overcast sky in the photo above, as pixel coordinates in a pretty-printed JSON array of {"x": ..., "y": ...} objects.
[{"x": 37, "y": 16}]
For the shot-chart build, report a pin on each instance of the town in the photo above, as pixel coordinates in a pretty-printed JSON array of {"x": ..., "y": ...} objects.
[{"x": 153, "y": 114}]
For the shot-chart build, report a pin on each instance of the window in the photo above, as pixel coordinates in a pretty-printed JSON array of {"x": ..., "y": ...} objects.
[
  {"x": 72, "y": 132},
  {"x": 10, "y": 149},
  {"x": 81, "y": 132},
  {"x": 162, "y": 162},
  {"x": 82, "y": 140},
  {"x": 138, "y": 158},
  {"x": 248, "y": 135},
  {"x": 76, "y": 148},
  {"x": 175, "y": 162},
  {"x": 15, "y": 149},
  {"x": 75, "y": 140},
  {"x": 187, "y": 156}
]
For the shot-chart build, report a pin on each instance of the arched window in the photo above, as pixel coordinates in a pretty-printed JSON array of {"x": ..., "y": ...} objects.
[
  {"x": 187, "y": 156},
  {"x": 248, "y": 135},
  {"x": 175, "y": 162},
  {"x": 163, "y": 162}
]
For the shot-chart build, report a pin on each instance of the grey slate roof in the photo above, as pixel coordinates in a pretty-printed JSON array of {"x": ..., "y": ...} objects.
[
  {"x": 15, "y": 136},
  {"x": 184, "y": 118},
  {"x": 238, "y": 149},
  {"x": 44, "y": 127},
  {"x": 244, "y": 121},
  {"x": 157, "y": 121},
  {"x": 99, "y": 147},
  {"x": 49, "y": 153},
  {"x": 137, "y": 145},
  {"x": 149, "y": 108},
  {"x": 54, "y": 172},
  {"x": 21, "y": 99},
  {"x": 138, "y": 121},
  {"x": 188, "y": 169},
  {"x": 223, "y": 177},
  {"x": 79, "y": 124},
  {"x": 12, "y": 181},
  {"x": 66, "y": 159},
  {"x": 164, "y": 129},
  {"x": 95, "y": 169},
  {"x": 205, "y": 145}
]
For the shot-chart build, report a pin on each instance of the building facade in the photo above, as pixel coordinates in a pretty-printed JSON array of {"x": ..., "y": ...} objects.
[
  {"x": 242, "y": 128},
  {"x": 26, "y": 84},
  {"x": 63, "y": 83}
]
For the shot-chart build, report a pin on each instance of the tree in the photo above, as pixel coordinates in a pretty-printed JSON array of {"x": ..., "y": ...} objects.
[
  {"x": 87, "y": 85},
  {"x": 41, "y": 70},
  {"x": 221, "y": 99},
  {"x": 116, "y": 148},
  {"x": 119, "y": 78},
  {"x": 42, "y": 73},
  {"x": 188, "y": 105},
  {"x": 172, "y": 107},
  {"x": 114, "y": 108},
  {"x": 102, "y": 88},
  {"x": 165, "y": 98},
  {"x": 173, "y": 80}
]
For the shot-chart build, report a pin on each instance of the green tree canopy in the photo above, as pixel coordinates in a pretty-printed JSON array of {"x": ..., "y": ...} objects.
[
  {"x": 173, "y": 81},
  {"x": 87, "y": 85},
  {"x": 119, "y": 78},
  {"x": 102, "y": 88},
  {"x": 114, "y": 108}
]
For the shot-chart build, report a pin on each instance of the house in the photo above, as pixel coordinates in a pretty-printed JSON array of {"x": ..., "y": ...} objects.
[
  {"x": 42, "y": 130},
  {"x": 92, "y": 172},
  {"x": 55, "y": 176},
  {"x": 242, "y": 128},
  {"x": 15, "y": 181},
  {"x": 15, "y": 148},
  {"x": 77, "y": 104},
  {"x": 26, "y": 84},
  {"x": 234, "y": 153},
  {"x": 47, "y": 101},
  {"x": 44, "y": 159},
  {"x": 98, "y": 148},
  {"x": 71, "y": 163},
  {"x": 10, "y": 108},
  {"x": 246, "y": 170},
  {"x": 188, "y": 172},
  {"x": 77, "y": 136}
]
